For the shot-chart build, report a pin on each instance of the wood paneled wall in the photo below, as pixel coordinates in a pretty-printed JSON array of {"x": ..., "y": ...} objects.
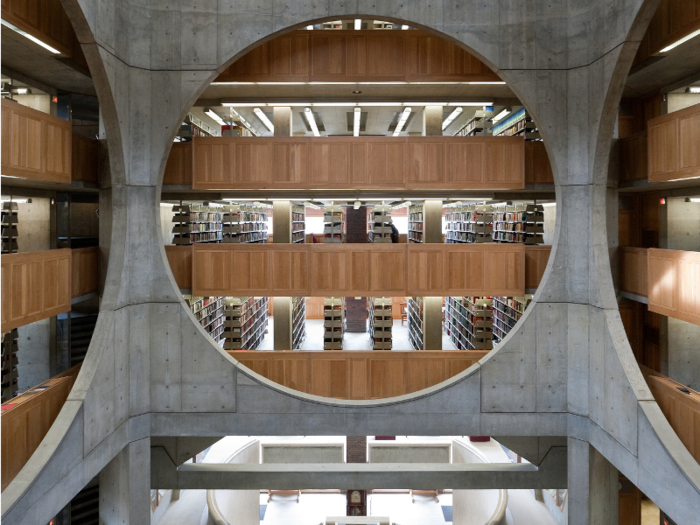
[
  {"x": 538, "y": 169},
  {"x": 536, "y": 258},
  {"x": 85, "y": 266},
  {"x": 27, "y": 422},
  {"x": 35, "y": 285},
  {"x": 357, "y": 270},
  {"x": 358, "y": 375},
  {"x": 674, "y": 145},
  {"x": 674, "y": 284},
  {"x": 178, "y": 170},
  {"x": 84, "y": 159},
  {"x": 358, "y": 56},
  {"x": 673, "y": 20},
  {"x": 180, "y": 259},
  {"x": 633, "y": 270},
  {"x": 681, "y": 410},
  {"x": 633, "y": 157},
  {"x": 35, "y": 145},
  {"x": 352, "y": 162}
]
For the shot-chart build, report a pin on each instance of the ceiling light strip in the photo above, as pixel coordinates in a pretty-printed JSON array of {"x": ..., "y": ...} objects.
[
  {"x": 353, "y": 104},
  {"x": 263, "y": 118},
  {"x": 356, "y": 122},
  {"x": 30, "y": 37},
  {"x": 402, "y": 121},
  {"x": 451, "y": 117},
  {"x": 312, "y": 121}
]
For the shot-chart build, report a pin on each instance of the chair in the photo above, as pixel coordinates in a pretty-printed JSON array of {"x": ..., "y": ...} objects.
[{"x": 404, "y": 314}]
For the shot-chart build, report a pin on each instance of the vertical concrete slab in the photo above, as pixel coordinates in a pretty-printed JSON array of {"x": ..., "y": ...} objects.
[
  {"x": 593, "y": 486},
  {"x": 282, "y": 319},
  {"x": 432, "y": 323},
  {"x": 33, "y": 355},
  {"x": 282, "y": 222},
  {"x": 282, "y": 120},
  {"x": 432, "y": 221},
  {"x": 432, "y": 121}
]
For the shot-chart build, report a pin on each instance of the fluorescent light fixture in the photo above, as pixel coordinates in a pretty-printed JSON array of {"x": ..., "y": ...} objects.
[
  {"x": 263, "y": 118},
  {"x": 22, "y": 91},
  {"x": 692, "y": 199},
  {"x": 358, "y": 24},
  {"x": 312, "y": 121},
  {"x": 402, "y": 121},
  {"x": 212, "y": 115},
  {"x": 450, "y": 118},
  {"x": 356, "y": 122},
  {"x": 549, "y": 204},
  {"x": 404, "y": 27},
  {"x": 666, "y": 49},
  {"x": 309, "y": 28},
  {"x": 356, "y": 205},
  {"x": 388, "y": 82},
  {"x": 501, "y": 83},
  {"x": 693, "y": 89},
  {"x": 166, "y": 205},
  {"x": 18, "y": 201},
  {"x": 503, "y": 114},
  {"x": 353, "y": 104},
  {"x": 404, "y": 204},
  {"x": 32, "y": 38},
  {"x": 308, "y": 204}
]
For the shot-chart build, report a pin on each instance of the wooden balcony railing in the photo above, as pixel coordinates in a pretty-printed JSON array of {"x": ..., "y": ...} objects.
[
  {"x": 674, "y": 283},
  {"x": 674, "y": 145},
  {"x": 359, "y": 374},
  {"x": 26, "y": 419},
  {"x": 633, "y": 270}
]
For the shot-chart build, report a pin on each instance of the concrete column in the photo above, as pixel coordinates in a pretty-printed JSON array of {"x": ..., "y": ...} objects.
[
  {"x": 593, "y": 496},
  {"x": 125, "y": 486},
  {"x": 432, "y": 221},
  {"x": 282, "y": 119},
  {"x": 282, "y": 318},
  {"x": 432, "y": 121},
  {"x": 432, "y": 323},
  {"x": 282, "y": 222}
]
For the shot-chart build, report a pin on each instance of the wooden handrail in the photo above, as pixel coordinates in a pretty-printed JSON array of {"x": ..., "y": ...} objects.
[
  {"x": 358, "y": 374},
  {"x": 27, "y": 418}
]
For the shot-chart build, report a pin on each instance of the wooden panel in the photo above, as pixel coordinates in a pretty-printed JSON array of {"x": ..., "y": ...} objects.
[
  {"x": 633, "y": 157},
  {"x": 85, "y": 269},
  {"x": 314, "y": 307},
  {"x": 45, "y": 20},
  {"x": 290, "y": 162},
  {"x": 538, "y": 169},
  {"x": 674, "y": 19},
  {"x": 290, "y": 271},
  {"x": 84, "y": 159},
  {"x": 180, "y": 260},
  {"x": 387, "y": 270},
  {"x": 212, "y": 163},
  {"x": 178, "y": 170},
  {"x": 58, "y": 141},
  {"x": 633, "y": 270},
  {"x": 28, "y": 420},
  {"x": 536, "y": 258},
  {"x": 674, "y": 145},
  {"x": 211, "y": 270},
  {"x": 425, "y": 162},
  {"x": 674, "y": 283},
  {"x": 358, "y": 56},
  {"x": 358, "y": 375},
  {"x": 330, "y": 162},
  {"x": 386, "y": 158}
]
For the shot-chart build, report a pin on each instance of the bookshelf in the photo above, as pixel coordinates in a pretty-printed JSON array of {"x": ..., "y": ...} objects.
[
  {"x": 518, "y": 124},
  {"x": 381, "y": 322},
  {"x": 507, "y": 312},
  {"x": 194, "y": 127},
  {"x": 196, "y": 223},
  {"x": 380, "y": 224},
  {"x": 245, "y": 322},
  {"x": 472, "y": 223},
  {"x": 209, "y": 311},
  {"x": 469, "y": 322},
  {"x": 415, "y": 223},
  {"x": 333, "y": 323},
  {"x": 298, "y": 224},
  {"x": 414, "y": 311},
  {"x": 477, "y": 125},
  {"x": 8, "y": 364},
  {"x": 9, "y": 227},
  {"x": 298, "y": 321},
  {"x": 245, "y": 223},
  {"x": 518, "y": 223},
  {"x": 333, "y": 223}
]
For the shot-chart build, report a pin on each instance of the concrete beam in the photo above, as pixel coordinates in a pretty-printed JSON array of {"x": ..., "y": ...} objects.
[{"x": 551, "y": 473}]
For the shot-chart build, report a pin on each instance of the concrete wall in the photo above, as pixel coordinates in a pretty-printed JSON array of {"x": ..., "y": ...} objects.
[
  {"x": 33, "y": 355},
  {"x": 34, "y": 225},
  {"x": 303, "y": 453},
  {"x": 166, "y": 224},
  {"x": 678, "y": 101},
  {"x": 682, "y": 225},
  {"x": 379, "y": 452},
  {"x": 550, "y": 224},
  {"x": 684, "y": 353}
]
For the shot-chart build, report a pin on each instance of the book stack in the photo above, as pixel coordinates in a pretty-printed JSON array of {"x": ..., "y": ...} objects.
[
  {"x": 507, "y": 312},
  {"x": 518, "y": 124},
  {"x": 196, "y": 223},
  {"x": 333, "y": 323},
  {"x": 519, "y": 223},
  {"x": 469, "y": 322},
  {"x": 298, "y": 321},
  {"x": 8, "y": 364},
  {"x": 333, "y": 223},
  {"x": 245, "y": 322},
  {"x": 415, "y": 223},
  {"x": 471, "y": 223},
  {"x": 534, "y": 224},
  {"x": 245, "y": 223},
  {"x": 414, "y": 313},
  {"x": 209, "y": 311},
  {"x": 380, "y": 224},
  {"x": 298, "y": 224},
  {"x": 380, "y": 322},
  {"x": 9, "y": 227}
]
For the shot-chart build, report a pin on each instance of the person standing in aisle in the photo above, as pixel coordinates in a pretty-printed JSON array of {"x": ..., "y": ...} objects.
[{"x": 394, "y": 233}]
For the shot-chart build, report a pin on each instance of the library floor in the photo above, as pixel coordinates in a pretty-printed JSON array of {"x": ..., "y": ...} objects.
[{"x": 351, "y": 340}]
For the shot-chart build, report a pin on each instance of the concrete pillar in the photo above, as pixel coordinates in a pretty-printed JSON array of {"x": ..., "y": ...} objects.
[
  {"x": 282, "y": 318},
  {"x": 282, "y": 222},
  {"x": 282, "y": 120},
  {"x": 432, "y": 121},
  {"x": 432, "y": 221},
  {"x": 125, "y": 486},
  {"x": 432, "y": 323},
  {"x": 593, "y": 496}
]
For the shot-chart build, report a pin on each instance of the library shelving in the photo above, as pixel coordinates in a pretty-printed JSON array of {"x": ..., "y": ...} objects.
[
  {"x": 245, "y": 322},
  {"x": 194, "y": 127},
  {"x": 380, "y": 224},
  {"x": 518, "y": 223},
  {"x": 195, "y": 223},
  {"x": 472, "y": 223},
  {"x": 333, "y": 223},
  {"x": 9, "y": 227},
  {"x": 298, "y": 223},
  {"x": 8, "y": 364},
  {"x": 469, "y": 322},
  {"x": 381, "y": 322},
  {"x": 209, "y": 311},
  {"x": 477, "y": 125},
  {"x": 507, "y": 311},
  {"x": 333, "y": 323},
  {"x": 415, "y": 223},
  {"x": 414, "y": 311},
  {"x": 298, "y": 321},
  {"x": 518, "y": 124},
  {"x": 245, "y": 223}
]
